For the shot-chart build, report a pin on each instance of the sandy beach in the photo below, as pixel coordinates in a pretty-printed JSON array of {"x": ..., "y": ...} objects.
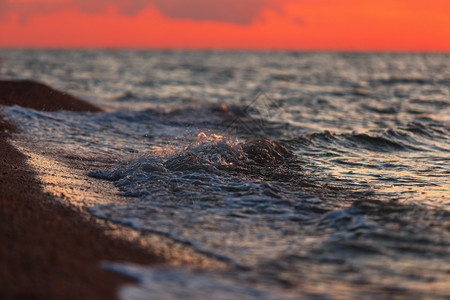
[{"x": 48, "y": 251}]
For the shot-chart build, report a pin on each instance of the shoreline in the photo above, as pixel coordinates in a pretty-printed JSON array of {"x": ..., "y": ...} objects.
[
  {"x": 345, "y": 243},
  {"x": 48, "y": 250}
]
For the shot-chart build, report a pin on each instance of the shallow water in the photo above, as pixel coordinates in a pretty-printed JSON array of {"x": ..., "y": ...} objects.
[{"x": 314, "y": 174}]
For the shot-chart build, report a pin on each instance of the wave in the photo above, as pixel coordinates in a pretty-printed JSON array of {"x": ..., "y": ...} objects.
[
  {"x": 213, "y": 156},
  {"x": 414, "y": 136}
]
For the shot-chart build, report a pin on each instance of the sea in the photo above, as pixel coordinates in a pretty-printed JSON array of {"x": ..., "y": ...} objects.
[{"x": 303, "y": 175}]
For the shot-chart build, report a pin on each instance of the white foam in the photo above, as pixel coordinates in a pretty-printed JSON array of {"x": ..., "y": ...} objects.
[{"x": 166, "y": 283}]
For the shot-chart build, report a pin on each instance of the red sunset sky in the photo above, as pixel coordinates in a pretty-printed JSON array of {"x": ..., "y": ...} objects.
[{"x": 399, "y": 25}]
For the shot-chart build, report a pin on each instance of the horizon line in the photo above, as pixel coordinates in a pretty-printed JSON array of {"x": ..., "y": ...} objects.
[{"x": 218, "y": 49}]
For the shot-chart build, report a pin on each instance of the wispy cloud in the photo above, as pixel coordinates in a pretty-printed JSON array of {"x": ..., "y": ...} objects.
[
  {"x": 232, "y": 11},
  {"x": 241, "y": 12}
]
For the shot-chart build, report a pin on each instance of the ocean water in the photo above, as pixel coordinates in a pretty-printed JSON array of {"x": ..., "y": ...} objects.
[{"x": 311, "y": 175}]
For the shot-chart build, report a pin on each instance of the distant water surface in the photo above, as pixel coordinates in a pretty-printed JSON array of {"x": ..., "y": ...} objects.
[{"x": 315, "y": 174}]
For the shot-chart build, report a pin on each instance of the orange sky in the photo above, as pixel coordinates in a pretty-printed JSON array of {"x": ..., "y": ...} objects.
[{"x": 398, "y": 25}]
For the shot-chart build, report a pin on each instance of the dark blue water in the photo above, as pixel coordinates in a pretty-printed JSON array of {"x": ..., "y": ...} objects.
[{"x": 314, "y": 174}]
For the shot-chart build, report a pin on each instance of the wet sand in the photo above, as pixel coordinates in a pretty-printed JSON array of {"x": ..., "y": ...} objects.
[
  {"x": 27, "y": 93},
  {"x": 48, "y": 250}
]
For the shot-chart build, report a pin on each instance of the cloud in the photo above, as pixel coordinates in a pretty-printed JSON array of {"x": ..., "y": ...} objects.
[
  {"x": 125, "y": 7},
  {"x": 231, "y": 11},
  {"x": 242, "y": 12}
]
